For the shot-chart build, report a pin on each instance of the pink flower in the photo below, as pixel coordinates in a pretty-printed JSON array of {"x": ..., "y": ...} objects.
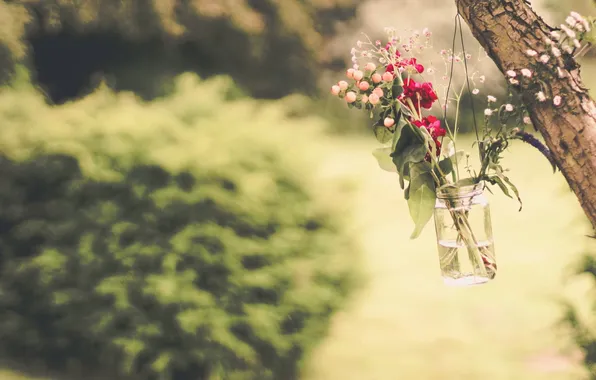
[
  {"x": 376, "y": 78},
  {"x": 526, "y": 73},
  {"x": 358, "y": 75},
  {"x": 350, "y": 73},
  {"x": 343, "y": 85},
  {"x": 388, "y": 122},
  {"x": 388, "y": 76},
  {"x": 335, "y": 90},
  {"x": 511, "y": 73},
  {"x": 557, "y": 100},
  {"x": 379, "y": 92},
  {"x": 364, "y": 98}
]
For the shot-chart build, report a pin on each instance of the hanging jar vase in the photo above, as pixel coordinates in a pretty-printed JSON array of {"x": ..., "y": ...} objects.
[{"x": 464, "y": 235}]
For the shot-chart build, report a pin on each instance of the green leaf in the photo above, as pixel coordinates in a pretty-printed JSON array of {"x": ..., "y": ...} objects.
[
  {"x": 382, "y": 133},
  {"x": 498, "y": 181},
  {"x": 412, "y": 153},
  {"x": 421, "y": 202},
  {"x": 512, "y": 187},
  {"x": 383, "y": 156},
  {"x": 446, "y": 165},
  {"x": 396, "y": 90}
]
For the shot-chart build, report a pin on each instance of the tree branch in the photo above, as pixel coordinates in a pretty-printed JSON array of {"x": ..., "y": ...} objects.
[{"x": 507, "y": 29}]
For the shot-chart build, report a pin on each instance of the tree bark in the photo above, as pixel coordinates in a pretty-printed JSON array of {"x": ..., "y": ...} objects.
[{"x": 507, "y": 29}]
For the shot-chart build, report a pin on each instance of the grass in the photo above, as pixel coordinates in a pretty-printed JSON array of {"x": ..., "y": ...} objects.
[{"x": 405, "y": 324}]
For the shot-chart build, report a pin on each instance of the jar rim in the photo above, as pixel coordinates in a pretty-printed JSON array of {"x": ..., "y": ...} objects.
[{"x": 455, "y": 190}]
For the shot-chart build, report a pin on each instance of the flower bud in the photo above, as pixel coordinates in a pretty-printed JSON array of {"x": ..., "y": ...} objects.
[
  {"x": 351, "y": 97},
  {"x": 370, "y": 66},
  {"x": 376, "y": 78},
  {"x": 364, "y": 85},
  {"x": 358, "y": 75},
  {"x": 373, "y": 99},
  {"x": 378, "y": 91},
  {"x": 364, "y": 99},
  {"x": 387, "y": 76},
  {"x": 350, "y": 73},
  {"x": 343, "y": 85},
  {"x": 388, "y": 122},
  {"x": 335, "y": 90}
]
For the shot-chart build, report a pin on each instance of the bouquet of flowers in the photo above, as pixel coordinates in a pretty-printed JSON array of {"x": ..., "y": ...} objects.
[{"x": 388, "y": 81}]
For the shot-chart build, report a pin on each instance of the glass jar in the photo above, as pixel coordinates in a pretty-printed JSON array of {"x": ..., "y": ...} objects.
[{"x": 464, "y": 235}]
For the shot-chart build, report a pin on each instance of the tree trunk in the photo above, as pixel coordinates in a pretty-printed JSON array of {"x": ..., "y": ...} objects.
[{"x": 507, "y": 29}]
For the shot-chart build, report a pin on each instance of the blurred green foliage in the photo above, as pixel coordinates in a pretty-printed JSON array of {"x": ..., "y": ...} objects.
[
  {"x": 582, "y": 324},
  {"x": 175, "y": 239},
  {"x": 270, "y": 47}
]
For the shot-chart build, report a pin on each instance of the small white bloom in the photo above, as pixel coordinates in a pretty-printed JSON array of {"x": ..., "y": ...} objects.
[
  {"x": 353, "y": 51},
  {"x": 488, "y": 112},
  {"x": 508, "y": 107},
  {"x": 570, "y": 21},
  {"x": 556, "y": 51},
  {"x": 356, "y": 67},
  {"x": 354, "y": 59},
  {"x": 556, "y": 35},
  {"x": 568, "y": 49},
  {"x": 548, "y": 41},
  {"x": 544, "y": 58},
  {"x": 475, "y": 91},
  {"x": 531, "y": 53},
  {"x": 526, "y": 73},
  {"x": 576, "y": 43},
  {"x": 527, "y": 120},
  {"x": 561, "y": 73},
  {"x": 482, "y": 78},
  {"x": 540, "y": 96},
  {"x": 491, "y": 98},
  {"x": 359, "y": 43},
  {"x": 576, "y": 15},
  {"x": 513, "y": 81},
  {"x": 557, "y": 100},
  {"x": 511, "y": 73},
  {"x": 570, "y": 33}
]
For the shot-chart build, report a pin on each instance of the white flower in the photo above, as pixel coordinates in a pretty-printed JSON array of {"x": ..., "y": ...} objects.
[
  {"x": 540, "y": 96},
  {"x": 576, "y": 15},
  {"x": 353, "y": 51},
  {"x": 359, "y": 44},
  {"x": 354, "y": 59},
  {"x": 475, "y": 91},
  {"x": 513, "y": 81},
  {"x": 527, "y": 120},
  {"x": 488, "y": 112},
  {"x": 355, "y": 67},
  {"x": 427, "y": 33},
  {"x": 576, "y": 43},
  {"x": 570, "y": 33},
  {"x": 568, "y": 49},
  {"x": 557, "y": 100},
  {"x": 544, "y": 58},
  {"x": 570, "y": 21},
  {"x": 548, "y": 41},
  {"x": 526, "y": 73},
  {"x": 508, "y": 107},
  {"x": 491, "y": 98},
  {"x": 511, "y": 73},
  {"x": 531, "y": 53},
  {"x": 562, "y": 74},
  {"x": 556, "y": 51},
  {"x": 556, "y": 35}
]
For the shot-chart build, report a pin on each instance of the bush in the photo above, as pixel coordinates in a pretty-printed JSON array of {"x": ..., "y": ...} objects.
[{"x": 177, "y": 239}]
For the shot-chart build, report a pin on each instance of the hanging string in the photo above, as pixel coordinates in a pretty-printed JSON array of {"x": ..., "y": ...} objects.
[{"x": 458, "y": 25}]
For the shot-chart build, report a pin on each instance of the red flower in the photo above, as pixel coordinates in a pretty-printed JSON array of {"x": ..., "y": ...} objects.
[
  {"x": 434, "y": 128},
  {"x": 432, "y": 125},
  {"x": 419, "y": 93}
]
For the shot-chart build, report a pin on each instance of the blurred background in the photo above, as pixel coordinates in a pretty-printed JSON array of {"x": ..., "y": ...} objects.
[{"x": 182, "y": 199}]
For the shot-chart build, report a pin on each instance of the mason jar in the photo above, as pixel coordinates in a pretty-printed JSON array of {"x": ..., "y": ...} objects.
[{"x": 464, "y": 235}]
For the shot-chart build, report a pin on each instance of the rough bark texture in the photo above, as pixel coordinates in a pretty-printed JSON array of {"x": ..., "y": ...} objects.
[{"x": 507, "y": 29}]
